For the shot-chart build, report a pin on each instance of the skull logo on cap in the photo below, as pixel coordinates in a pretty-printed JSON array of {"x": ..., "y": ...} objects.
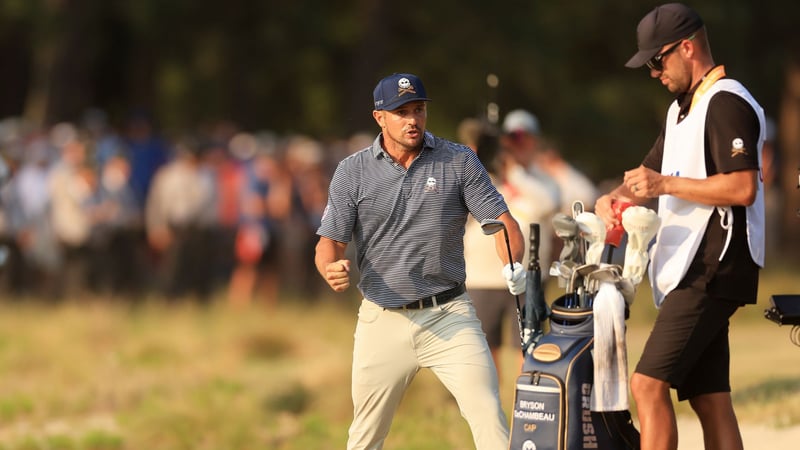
[{"x": 404, "y": 87}]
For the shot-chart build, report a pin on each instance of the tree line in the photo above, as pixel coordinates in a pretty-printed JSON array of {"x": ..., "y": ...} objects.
[{"x": 309, "y": 66}]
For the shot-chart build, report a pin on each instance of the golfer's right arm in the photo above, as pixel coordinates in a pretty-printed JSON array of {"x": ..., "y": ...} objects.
[{"x": 331, "y": 264}]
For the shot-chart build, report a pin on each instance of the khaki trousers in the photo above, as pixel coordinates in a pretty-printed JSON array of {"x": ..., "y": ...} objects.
[{"x": 392, "y": 345}]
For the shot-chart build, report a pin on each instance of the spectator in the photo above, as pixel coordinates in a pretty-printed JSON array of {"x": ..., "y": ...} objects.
[
  {"x": 71, "y": 183},
  {"x": 265, "y": 203},
  {"x": 28, "y": 208},
  {"x": 522, "y": 140},
  {"x": 305, "y": 164},
  {"x": 180, "y": 215},
  {"x": 147, "y": 153},
  {"x": 572, "y": 184},
  {"x": 117, "y": 255}
]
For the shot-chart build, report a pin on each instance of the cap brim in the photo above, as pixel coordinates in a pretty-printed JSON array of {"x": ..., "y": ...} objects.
[
  {"x": 395, "y": 105},
  {"x": 641, "y": 57}
]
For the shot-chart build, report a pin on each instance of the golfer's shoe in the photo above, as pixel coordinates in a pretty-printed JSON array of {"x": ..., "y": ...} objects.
[
  {"x": 593, "y": 231},
  {"x": 567, "y": 230},
  {"x": 641, "y": 224}
]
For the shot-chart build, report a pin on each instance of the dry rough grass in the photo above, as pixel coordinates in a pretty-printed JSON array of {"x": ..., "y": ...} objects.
[{"x": 100, "y": 375}]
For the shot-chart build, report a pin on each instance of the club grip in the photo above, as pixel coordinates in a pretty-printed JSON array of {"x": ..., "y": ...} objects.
[{"x": 534, "y": 241}]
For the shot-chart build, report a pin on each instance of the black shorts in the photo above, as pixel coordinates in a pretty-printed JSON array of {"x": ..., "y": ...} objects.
[
  {"x": 497, "y": 312},
  {"x": 688, "y": 346}
]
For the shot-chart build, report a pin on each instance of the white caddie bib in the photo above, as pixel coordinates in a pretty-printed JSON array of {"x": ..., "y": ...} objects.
[{"x": 683, "y": 223}]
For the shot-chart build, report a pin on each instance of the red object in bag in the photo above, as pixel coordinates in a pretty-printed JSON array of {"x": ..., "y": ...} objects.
[{"x": 614, "y": 233}]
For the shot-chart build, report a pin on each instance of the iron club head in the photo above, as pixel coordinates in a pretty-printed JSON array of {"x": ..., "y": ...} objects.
[{"x": 492, "y": 226}]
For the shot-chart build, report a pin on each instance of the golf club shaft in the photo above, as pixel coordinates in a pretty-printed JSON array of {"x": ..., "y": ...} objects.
[
  {"x": 516, "y": 296},
  {"x": 610, "y": 254}
]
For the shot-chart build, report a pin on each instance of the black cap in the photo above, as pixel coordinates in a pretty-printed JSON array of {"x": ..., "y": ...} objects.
[
  {"x": 664, "y": 24},
  {"x": 398, "y": 89}
]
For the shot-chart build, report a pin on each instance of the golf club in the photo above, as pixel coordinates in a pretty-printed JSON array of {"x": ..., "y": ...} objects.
[
  {"x": 593, "y": 230},
  {"x": 577, "y": 209},
  {"x": 535, "y": 312},
  {"x": 490, "y": 227},
  {"x": 566, "y": 229}
]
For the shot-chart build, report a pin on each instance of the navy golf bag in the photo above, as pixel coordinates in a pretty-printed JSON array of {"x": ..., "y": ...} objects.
[{"x": 552, "y": 400}]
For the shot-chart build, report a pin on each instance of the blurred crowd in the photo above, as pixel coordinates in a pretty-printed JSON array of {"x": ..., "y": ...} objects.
[
  {"x": 95, "y": 209},
  {"x": 88, "y": 208}
]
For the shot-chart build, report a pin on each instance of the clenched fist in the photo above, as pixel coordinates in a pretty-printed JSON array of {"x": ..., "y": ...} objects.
[{"x": 337, "y": 274}]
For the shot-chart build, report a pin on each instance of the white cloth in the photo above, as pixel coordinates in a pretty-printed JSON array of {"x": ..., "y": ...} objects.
[
  {"x": 610, "y": 391},
  {"x": 683, "y": 223}
]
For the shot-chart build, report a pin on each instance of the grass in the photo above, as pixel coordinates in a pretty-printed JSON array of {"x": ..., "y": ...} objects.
[{"x": 102, "y": 375}]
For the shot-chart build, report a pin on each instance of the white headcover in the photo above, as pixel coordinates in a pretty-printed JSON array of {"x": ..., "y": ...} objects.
[
  {"x": 593, "y": 231},
  {"x": 641, "y": 224}
]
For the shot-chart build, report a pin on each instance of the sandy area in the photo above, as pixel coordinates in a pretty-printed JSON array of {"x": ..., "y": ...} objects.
[{"x": 756, "y": 437}]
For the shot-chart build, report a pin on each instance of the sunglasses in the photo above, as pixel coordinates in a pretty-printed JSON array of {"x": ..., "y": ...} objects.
[{"x": 657, "y": 62}]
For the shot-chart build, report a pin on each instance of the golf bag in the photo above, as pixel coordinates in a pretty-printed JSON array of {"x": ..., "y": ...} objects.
[
  {"x": 553, "y": 397},
  {"x": 552, "y": 400}
]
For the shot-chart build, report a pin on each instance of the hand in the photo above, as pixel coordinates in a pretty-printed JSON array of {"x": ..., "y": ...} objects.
[
  {"x": 643, "y": 182},
  {"x": 515, "y": 278},
  {"x": 603, "y": 209},
  {"x": 337, "y": 274}
]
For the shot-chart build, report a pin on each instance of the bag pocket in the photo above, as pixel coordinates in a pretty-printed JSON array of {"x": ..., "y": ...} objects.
[{"x": 538, "y": 415}]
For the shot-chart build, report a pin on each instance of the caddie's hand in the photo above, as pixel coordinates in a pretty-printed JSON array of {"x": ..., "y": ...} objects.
[
  {"x": 644, "y": 182},
  {"x": 603, "y": 209},
  {"x": 337, "y": 274},
  {"x": 515, "y": 278}
]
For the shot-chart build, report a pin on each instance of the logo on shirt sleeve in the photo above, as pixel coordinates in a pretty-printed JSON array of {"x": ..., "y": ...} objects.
[{"x": 737, "y": 148}]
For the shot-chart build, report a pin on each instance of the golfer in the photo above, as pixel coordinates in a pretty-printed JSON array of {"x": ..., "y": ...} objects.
[
  {"x": 704, "y": 170},
  {"x": 404, "y": 202}
]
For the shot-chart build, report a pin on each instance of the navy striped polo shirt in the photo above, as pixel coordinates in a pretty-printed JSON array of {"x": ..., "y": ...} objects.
[{"x": 408, "y": 225}]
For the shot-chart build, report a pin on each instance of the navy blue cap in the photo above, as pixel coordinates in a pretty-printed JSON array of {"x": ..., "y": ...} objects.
[
  {"x": 663, "y": 25},
  {"x": 398, "y": 89}
]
